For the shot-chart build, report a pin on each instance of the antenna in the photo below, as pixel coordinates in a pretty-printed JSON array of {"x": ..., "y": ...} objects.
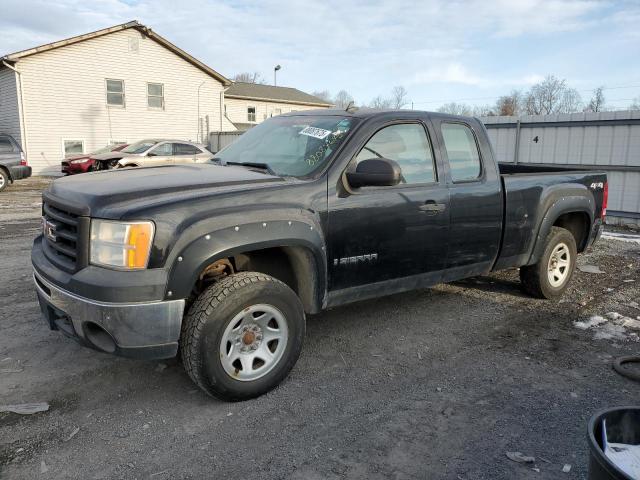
[{"x": 351, "y": 105}]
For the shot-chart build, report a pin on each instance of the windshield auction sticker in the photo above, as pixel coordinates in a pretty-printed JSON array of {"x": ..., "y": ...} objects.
[{"x": 315, "y": 132}]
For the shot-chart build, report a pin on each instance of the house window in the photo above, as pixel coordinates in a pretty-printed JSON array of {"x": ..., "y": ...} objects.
[
  {"x": 72, "y": 147},
  {"x": 115, "y": 93},
  {"x": 251, "y": 114},
  {"x": 155, "y": 95}
]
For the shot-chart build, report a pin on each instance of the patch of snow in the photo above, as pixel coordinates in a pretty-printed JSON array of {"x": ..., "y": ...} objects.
[{"x": 594, "y": 321}]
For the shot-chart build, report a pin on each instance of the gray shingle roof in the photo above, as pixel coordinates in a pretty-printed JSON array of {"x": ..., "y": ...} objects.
[{"x": 256, "y": 91}]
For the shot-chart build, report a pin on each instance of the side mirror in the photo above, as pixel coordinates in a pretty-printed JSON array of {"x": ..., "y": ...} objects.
[
  {"x": 151, "y": 154},
  {"x": 375, "y": 172}
]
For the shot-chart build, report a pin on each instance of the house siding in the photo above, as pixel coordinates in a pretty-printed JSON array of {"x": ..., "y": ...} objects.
[
  {"x": 64, "y": 95},
  {"x": 236, "y": 110},
  {"x": 9, "y": 104}
]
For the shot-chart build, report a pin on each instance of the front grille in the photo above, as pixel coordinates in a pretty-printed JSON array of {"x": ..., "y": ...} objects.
[{"x": 64, "y": 234}]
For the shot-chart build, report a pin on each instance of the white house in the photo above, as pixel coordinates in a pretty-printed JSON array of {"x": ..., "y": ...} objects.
[
  {"x": 119, "y": 84},
  {"x": 247, "y": 104},
  {"x": 123, "y": 84}
]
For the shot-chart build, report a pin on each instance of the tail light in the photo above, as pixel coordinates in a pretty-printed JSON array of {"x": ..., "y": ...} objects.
[
  {"x": 23, "y": 159},
  {"x": 605, "y": 200}
]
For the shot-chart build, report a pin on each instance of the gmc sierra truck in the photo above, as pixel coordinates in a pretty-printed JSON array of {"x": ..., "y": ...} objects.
[{"x": 306, "y": 211}]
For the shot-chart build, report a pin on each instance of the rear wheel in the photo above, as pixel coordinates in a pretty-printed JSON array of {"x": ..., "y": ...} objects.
[
  {"x": 242, "y": 336},
  {"x": 550, "y": 277},
  {"x": 4, "y": 179}
]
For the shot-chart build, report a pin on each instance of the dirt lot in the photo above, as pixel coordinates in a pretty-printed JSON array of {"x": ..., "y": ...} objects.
[{"x": 436, "y": 383}]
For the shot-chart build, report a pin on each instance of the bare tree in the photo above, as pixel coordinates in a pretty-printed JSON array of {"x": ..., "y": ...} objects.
[
  {"x": 380, "y": 103},
  {"x": 597, "y": 102},
  {"x": 552, "y": 95},
  {"x": 454, "y": 108},
  {"x": 510, "y": 105},
  {"x": 635, "y": 104},
  {"x": 323, "y": 95},
  {"x": 342, "y": 99},
  {"x": 483, "y": 111},
  {"x": 398, "y": 97},
  {"x": 249, "y": 77}
]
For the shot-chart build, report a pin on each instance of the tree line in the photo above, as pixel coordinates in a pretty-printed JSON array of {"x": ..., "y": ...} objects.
[{"x": 550, "y": 96}]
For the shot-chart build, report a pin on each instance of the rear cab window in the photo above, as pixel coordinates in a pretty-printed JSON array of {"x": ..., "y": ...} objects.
[{"x": 462, "y": 152}]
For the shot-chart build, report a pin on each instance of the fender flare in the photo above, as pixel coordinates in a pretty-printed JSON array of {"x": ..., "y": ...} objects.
[
  {"x": 562, "y": 206},
  {"x": 188, "y": 261}
]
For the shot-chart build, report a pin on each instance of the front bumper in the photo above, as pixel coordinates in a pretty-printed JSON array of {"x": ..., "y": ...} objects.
[
  {"x": 147, "y": 330},
  {"x": 74, "y": 168}
]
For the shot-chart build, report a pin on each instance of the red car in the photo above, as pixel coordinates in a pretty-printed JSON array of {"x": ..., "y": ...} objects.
[{"x": 84, "y": 163}]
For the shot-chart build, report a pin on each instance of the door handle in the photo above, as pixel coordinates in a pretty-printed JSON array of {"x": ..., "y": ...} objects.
[{"x": 432, "y": 207}]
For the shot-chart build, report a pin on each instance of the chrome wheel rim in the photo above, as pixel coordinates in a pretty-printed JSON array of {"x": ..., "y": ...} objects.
[
  {"x": 1, "y": 181},
  {"x": 254, "y": 342},
  {"x": 559, "y": 263}
]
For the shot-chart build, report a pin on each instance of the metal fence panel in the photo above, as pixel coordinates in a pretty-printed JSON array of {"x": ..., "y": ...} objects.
[
  {"x": 608, "y": 141},
  {"x": 219, "y": 140}
]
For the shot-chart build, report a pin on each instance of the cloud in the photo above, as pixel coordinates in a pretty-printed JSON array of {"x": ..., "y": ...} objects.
[{"x": 364, "y": 46}]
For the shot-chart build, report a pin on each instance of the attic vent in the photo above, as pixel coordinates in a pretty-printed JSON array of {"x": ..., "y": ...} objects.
[{"x": 134, "y": 44}]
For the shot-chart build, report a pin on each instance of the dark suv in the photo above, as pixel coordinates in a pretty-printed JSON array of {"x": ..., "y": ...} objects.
[{"x": 13, "y": 163}]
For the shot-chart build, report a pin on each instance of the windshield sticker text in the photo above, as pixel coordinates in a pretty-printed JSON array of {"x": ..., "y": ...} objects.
[{"x": 314, "y": 132}]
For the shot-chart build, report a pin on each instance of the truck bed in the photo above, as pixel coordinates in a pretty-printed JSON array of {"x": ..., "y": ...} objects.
[
  {"x": 523, "y": 168},
  {"x": 530, "y": 192}
]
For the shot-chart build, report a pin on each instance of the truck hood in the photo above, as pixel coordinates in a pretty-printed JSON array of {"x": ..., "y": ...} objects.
[{"x": 109, "y": 193}]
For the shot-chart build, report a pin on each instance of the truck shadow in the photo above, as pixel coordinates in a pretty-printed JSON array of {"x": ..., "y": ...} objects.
[{"x": 494, "y": 285}]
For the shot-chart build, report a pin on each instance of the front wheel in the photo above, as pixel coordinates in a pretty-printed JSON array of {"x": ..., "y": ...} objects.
[
  {"x": 242, "y": 336},
  {"x": 549, "y": 278},
  {"x": 4, "y": 179}
]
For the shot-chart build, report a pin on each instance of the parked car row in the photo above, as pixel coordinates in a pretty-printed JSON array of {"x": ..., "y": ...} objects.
[{"x": 145, "y": 153}]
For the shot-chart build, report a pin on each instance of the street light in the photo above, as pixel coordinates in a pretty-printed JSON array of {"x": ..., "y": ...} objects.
[{"x": 275, "y": 70}]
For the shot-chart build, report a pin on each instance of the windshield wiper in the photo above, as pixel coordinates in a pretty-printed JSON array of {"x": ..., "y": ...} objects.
[{"x": 261, "y": 166}]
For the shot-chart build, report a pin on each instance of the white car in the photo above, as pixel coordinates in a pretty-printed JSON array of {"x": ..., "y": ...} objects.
[{"x": 146, "y": 153}]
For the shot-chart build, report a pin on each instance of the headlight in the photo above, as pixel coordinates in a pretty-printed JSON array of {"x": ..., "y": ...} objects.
[
  {"x": 81, "y": 160},
  {"x": 124, "y": 245}
]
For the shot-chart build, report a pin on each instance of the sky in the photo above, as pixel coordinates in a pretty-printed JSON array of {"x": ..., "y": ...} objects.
[{"x": 441, "y": 51}]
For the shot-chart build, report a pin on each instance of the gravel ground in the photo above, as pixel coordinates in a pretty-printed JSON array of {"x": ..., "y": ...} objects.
[{"x": 435, "y": 383}]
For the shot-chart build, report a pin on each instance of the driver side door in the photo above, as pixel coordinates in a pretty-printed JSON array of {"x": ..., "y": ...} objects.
[
  {"x": 161, "y": 154},
  {"x": 393, "y": 237}
]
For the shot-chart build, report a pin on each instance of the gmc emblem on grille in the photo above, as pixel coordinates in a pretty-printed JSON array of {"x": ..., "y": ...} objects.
[{"x": 49, "y": 230}]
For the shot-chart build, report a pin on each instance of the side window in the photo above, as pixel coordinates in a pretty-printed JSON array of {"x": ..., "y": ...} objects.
[
  {"x": 409, "y": 146},
  {"x": 6, "y": 146},
  {"x": 115, "y": 92},
  {"x": 155, "y": 95},
  {"x": 72, "y": 147},
  {"x": 462, "y": 152},
  {"x": 163, "y": 150},
  {"x": 185, "y": 149}
]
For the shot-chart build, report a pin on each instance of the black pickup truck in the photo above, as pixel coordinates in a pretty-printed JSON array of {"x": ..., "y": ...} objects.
[{"x": 222, "y": 261}]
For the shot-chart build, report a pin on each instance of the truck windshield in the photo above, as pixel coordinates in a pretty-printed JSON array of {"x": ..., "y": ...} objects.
[{"x": 289, "y": 146}]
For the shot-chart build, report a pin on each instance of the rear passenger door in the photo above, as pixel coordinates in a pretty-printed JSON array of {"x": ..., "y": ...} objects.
[
  {"x": 475, "y": 196},
  {"x": 184, "y": 153}
]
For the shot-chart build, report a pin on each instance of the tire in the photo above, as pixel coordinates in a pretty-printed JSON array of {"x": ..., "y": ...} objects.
[
  {"x": 541, "y": 282},
  {"x": 234, "y": 319},
  {"x": 4, "y": 179}
]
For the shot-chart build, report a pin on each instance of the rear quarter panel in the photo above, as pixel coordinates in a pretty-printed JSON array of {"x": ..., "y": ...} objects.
[{"x": 533, "y": 202}]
